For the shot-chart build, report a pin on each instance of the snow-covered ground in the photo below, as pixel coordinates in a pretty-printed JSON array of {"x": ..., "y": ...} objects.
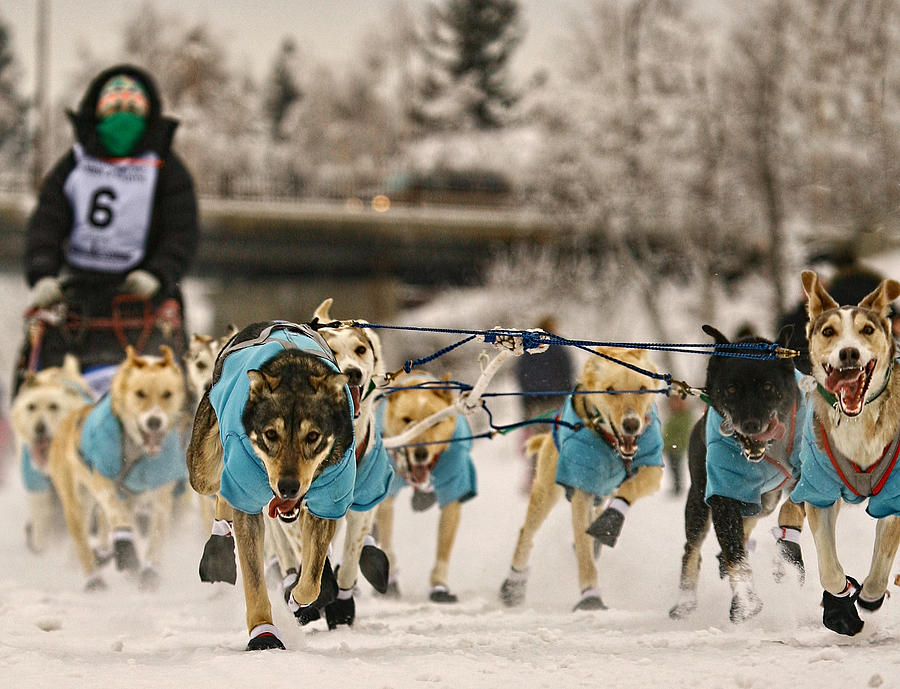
[{"x": 190, "y": 634}]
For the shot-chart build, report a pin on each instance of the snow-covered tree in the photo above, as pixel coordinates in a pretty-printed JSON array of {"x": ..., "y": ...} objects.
[
  {"x": 281, "y": 90},
  {"x": 13, "y": 106}
]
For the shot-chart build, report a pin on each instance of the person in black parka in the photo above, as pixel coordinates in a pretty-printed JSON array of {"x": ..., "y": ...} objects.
[{"x": 117, "y": 214}]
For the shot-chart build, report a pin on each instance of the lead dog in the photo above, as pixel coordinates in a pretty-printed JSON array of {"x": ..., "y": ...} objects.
[
  {"x": 126, "y": 451},
  {"x": 358, "y": 354},
  {"x": 851, "y": 441},
  {"x": 274, "y": 434},
  {"x": 436, "y": 463},
  {"x": 610, "y": 446},
  {"x": 743, "y": 453},
  {"x": 43, "y": 400}
]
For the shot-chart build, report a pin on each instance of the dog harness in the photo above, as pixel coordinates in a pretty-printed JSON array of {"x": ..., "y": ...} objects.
[
  {"x": 453, "y": 476},
  {"x": 35, "y": 480},
  {"x": 827, "y": 475},
  {"x": 374, "y": 473},
  {"x": 112, "y": 202},
  {"x": 731, "y": 475},
  {"x": 588, "y": 462},
  {"x": 244, "y": 481},
  {"x": 102, "y": 448}
]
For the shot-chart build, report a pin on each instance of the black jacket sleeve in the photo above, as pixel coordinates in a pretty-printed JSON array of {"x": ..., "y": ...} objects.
[
  {"x": 174, "y": 233},
  {"x": 49, "y": 224}
]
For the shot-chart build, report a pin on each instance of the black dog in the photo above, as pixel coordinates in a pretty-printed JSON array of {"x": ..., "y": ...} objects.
[{"x": 742, "y": 454}]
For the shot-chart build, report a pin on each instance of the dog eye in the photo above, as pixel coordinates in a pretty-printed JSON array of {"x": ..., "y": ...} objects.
[
  {"x": 166, "y": 394},
  {"x": 53, "y": 406},
  {"x": 868, "y": 330},
  {"x": 201, "y": 366},
  {"x": 828, "y": 331},
  {"x": 31, "y": 407},
  {"x": 271, "y": 434},
  {"x": 731, "y": 390},
  {"x": 362, "y": 349},
  {"x": 407, "y": 420},
  {"x": 768, "y": 387},
  {"x": 141, "y": 394},
  {"x": 312, "y": 437}
]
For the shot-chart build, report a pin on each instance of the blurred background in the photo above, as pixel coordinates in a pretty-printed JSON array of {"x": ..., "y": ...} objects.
[{"x": 635, "y": 167}]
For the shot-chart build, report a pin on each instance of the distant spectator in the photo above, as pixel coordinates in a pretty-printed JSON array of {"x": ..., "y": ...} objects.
[
  {"x": 678, "y": 421},
  {"x": 547, "y": 372}
]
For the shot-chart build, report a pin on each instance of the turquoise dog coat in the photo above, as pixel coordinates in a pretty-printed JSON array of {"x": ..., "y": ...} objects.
[
  {"x": 374, "y": 474},
  {"x": 589, "y": 463},
  {"x": 245, "y": 483},
  {"x": 102, "y": 445},
  {"x": 35, "y": 480}
]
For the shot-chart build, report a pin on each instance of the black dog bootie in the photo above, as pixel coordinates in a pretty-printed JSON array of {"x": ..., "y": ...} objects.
[{"x": 840, "y": 613}]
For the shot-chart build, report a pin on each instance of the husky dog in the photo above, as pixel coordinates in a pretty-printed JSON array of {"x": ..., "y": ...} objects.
[
  {"x": 608, "y": 444},
  {"x": 743, "y": 452},
  {"x": 851, "y": 441},
  {"x": 274, "y": 433},
  {"x": 200, "y": 359},
  {"x": 437, "y": 464},
  {"x": 127, "y": 452},
  {"x": 43, "y": 400},
  {"x": 359, "y": 356}
]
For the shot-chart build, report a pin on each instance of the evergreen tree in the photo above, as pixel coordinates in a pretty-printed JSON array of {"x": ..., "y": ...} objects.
[
  {"x": 13, "y": 107},
  {"x": 465, "y": 54},
  {"x": 281, "y": 91}
]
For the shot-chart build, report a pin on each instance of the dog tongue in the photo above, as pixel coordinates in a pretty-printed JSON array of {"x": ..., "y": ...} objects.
[
  {"x": 848, "y": 385},
  {"x": 39, "y": 452},
  {"x": 419, "y": 473},
  {"x": 774, "y": 431},
  {"x": 277, "y": 505}
]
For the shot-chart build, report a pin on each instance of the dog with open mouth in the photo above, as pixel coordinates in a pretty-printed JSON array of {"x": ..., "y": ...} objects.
[
  {"x": 604, "y": 454},
  {"x": 126, "y": 452},
  {"x": 851, "y": 441},
  {"x": 42, "y": 401},
  {"x": 743, "y": 454}
]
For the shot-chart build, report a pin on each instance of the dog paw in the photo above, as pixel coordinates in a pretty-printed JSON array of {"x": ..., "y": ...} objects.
[
  {"x": 264, "y": 637},
  {"x": 149, "y": 580},
  {"x": 512, "y": 591},
  {"x": 306, "y": 614},
  {"x": 745, "y": 603},
  {"x": 441, "y": 594},
  {"x": 607, "y": 527},
  {"x": 217, "y": 562},
  {"x": 341, "y": 611},
  {"x": 686, "y": 605},
  {"x": 375, "y": 567},
  {"x": 328, "y": 586},
  {"x": 871, "y": 605},
  {"x": 125, "y": 553},
  {"x": 422, "y": 500},
  {"x": 95, "y": 583},
  {"x": 288, "y": 583},
  {"x": 839, "y": 612},
  {"x": 31, "y": 541},
  {"x": 789, "y": 558},
  {"x": 590, "y": 600}
]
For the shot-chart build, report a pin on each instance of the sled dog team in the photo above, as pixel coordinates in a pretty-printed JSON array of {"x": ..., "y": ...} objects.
[{"x": 288, "y": 442}]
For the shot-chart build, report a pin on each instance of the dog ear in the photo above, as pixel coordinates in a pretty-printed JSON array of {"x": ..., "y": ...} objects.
[
  {"x": 445, "y": 393},
  {"x": 879, "y": 300},
  {"x": 332, "y": 382},
  {"x": 168, "y": 355},
  {"x": 818, "y": 299},
  {"x": 71, "y": 366},
  {"x": 132, "y": 358},
  {"x": 261, "y": 383},
  {"x": 322, "y": 311},
  {"x": 716, "y": 335}
]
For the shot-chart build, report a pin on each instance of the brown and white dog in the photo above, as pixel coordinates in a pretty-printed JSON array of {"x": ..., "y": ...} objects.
[
  {"x": 126, "y": 451},
  {"x": 619, "y": 429},
  {"x": 200, "y": 359},
  {"x": 850, "y": 443},
  {"x": 436, "y": 463},
  {"x": 43, "y": 400},
  {"x": 359, "y": 356}
]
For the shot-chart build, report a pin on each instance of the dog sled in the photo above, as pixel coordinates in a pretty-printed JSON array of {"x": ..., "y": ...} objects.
[{"x": 96, "y": 324}]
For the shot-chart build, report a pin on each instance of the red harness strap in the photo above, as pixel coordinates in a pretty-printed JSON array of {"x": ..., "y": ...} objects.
[
  {"x": 878, "y": 486},
  {"x": 788, "y": 475}
]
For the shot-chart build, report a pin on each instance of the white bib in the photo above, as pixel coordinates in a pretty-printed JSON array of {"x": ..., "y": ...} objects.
[{"x": 112, "y": 202}]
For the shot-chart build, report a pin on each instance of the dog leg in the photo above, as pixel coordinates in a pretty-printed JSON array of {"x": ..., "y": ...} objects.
[
  {"x": 217, "y": 563},
  {"x": 63, "y": 479},
  {"x": 787, "y": 540},
  {"x": 887, "y": 540},
  {"x": 315, "y": 535},
  {"x": 358, "y": 528},
  {"x": 162, "y": 504},
  {"x": 607, "y": 527},
  {"x": 40, "y": 509},
  {"x": 730, "y": 530},
  {"x": 205, "y": 457},
  {"x": 582, "y": 506},
  {"x": 384, "y": 529},
  {"x": 119, "y": 518},
  {"x": 696, "y": 525},
  {"x": 249, "y": 534},
  {"x": 447, "y": 528},
  {"x": 284, "y": 541}
]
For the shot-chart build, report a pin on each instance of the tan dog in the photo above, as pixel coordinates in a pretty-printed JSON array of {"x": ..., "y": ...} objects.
[
  {"x": 43, "y": 400},
  {"x": 617, "y": 428},
  {"x": 851, "y": 442},
  {"x": 200, "y": 359},
  {"x": 436, "y": 463},
  {"x": 126, "y": 452},
  {"x": 359, "y": 356}
]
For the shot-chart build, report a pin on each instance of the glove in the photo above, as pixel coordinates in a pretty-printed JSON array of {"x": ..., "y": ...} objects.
[
  {"x": 140, "y": 283},
  {"x": 46, "y": 292}
]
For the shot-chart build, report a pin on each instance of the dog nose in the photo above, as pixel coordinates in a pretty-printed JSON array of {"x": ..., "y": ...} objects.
[
  {"x": 420, "y": 454},
  {"x": 751, "y": 427},
  {"x": 849, "y": 357},
  {"x": 354, "y": 374},
  {"x": 288, "y": 487},
  {"x": 631, "y": 425},
  {"x": 154, "y": 423},
  {"x": 40, "y": 429}
]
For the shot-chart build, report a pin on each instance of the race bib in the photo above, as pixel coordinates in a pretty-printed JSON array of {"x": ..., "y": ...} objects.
[{"x": 112, "y": 202}]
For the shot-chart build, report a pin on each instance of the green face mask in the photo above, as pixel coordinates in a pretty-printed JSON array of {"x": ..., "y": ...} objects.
[{"x": 120, "y": 132}]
